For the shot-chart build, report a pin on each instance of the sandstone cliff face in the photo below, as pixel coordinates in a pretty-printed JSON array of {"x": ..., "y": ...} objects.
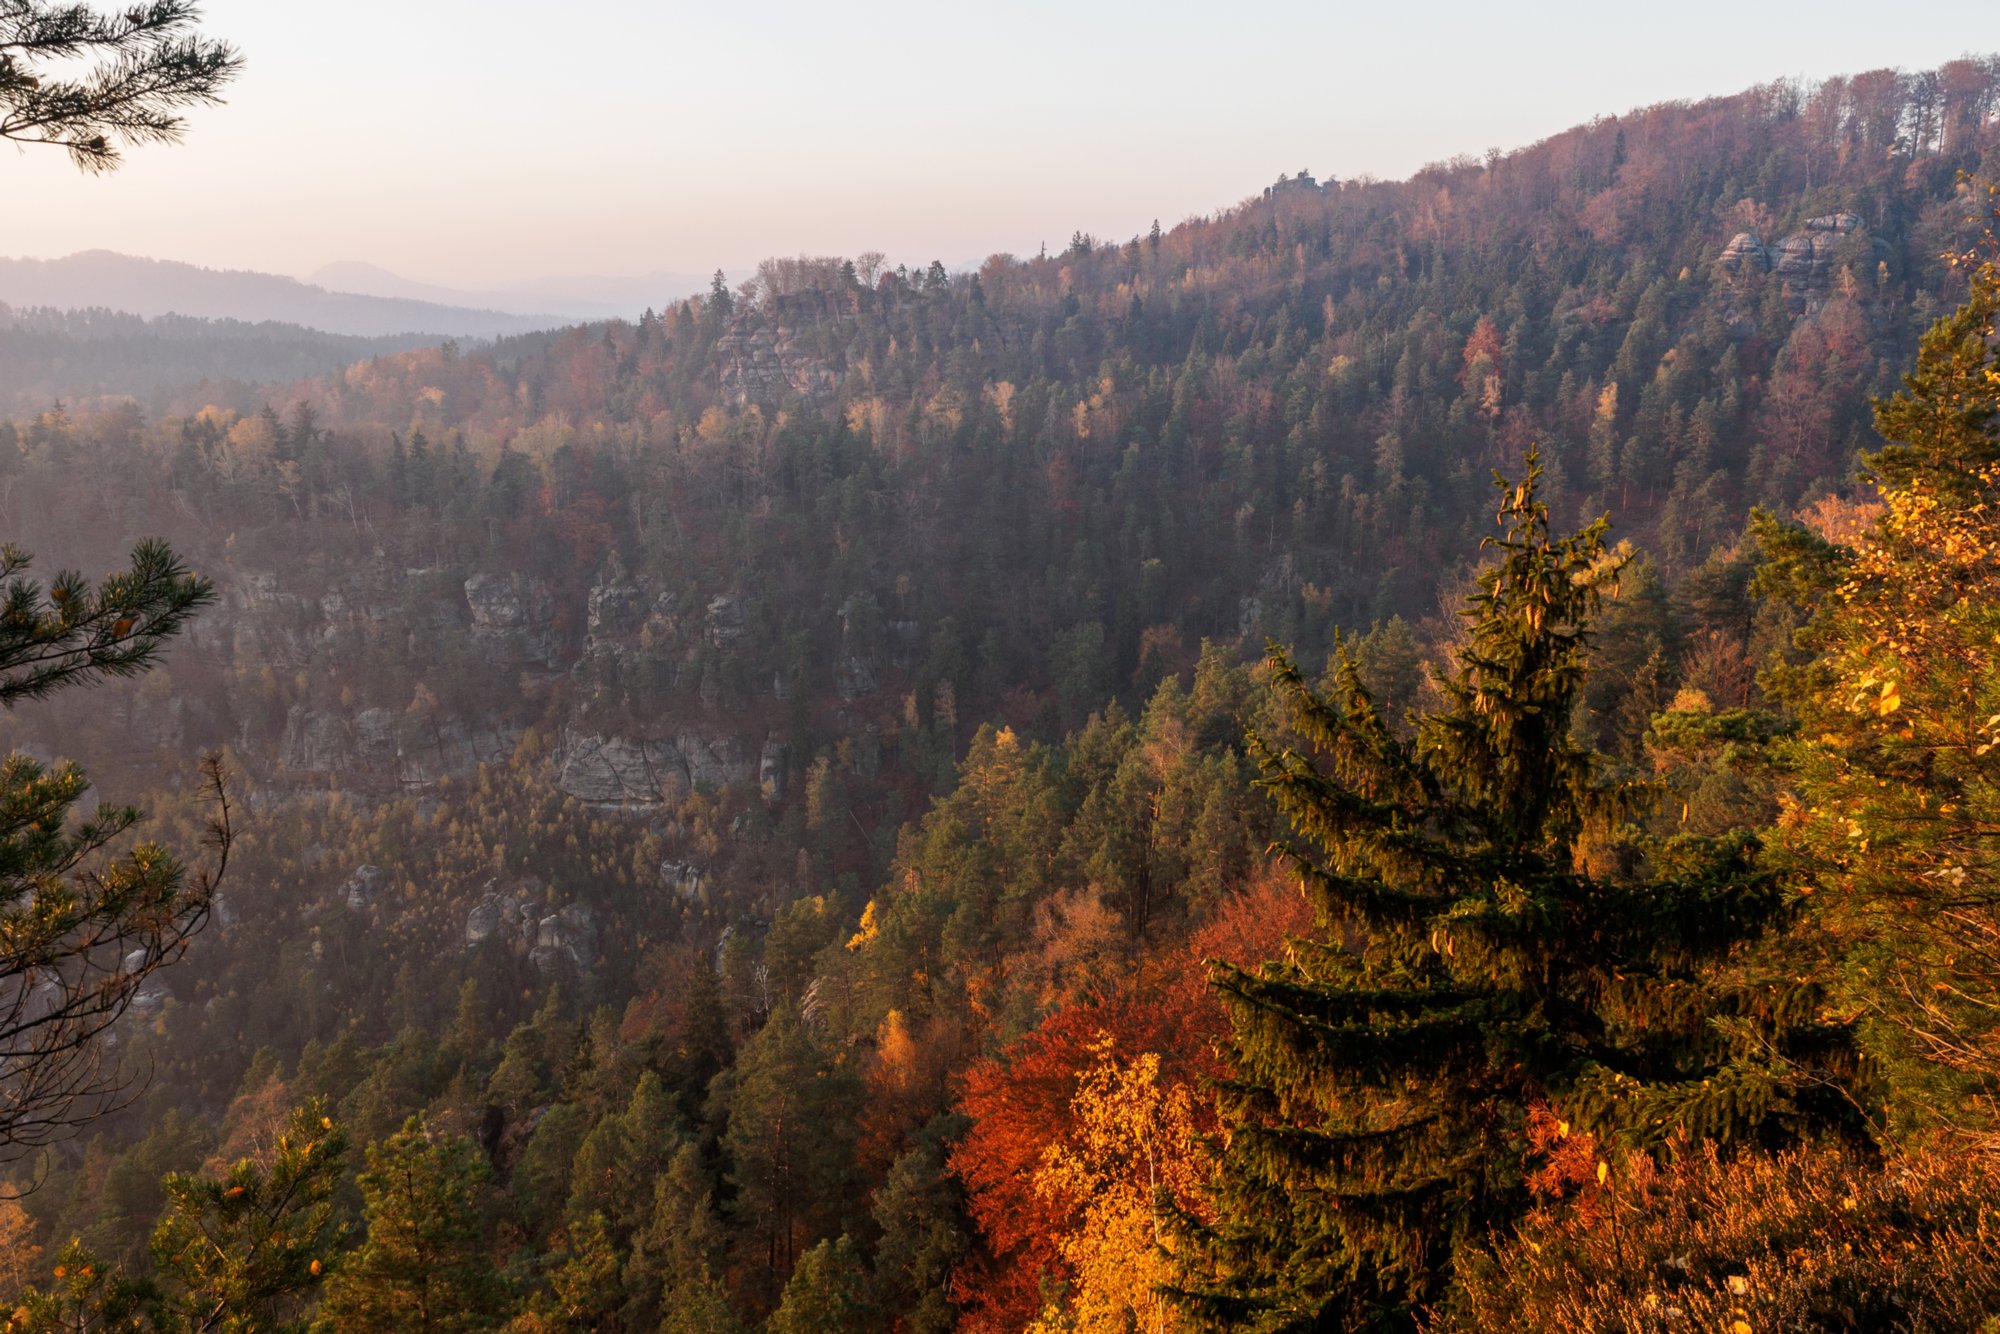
[
  {"x": 513, "y": 616},
  {"x": 460, "y": 663},
  {"x": 791, "y": 348},
  {"x": 1806, "y": 262},
  {"x": 641, "y": 729},
  {"x": 638, "y": 771},
  {"x": 378, "y": 748},
  {"x": 768, "y": 365}
]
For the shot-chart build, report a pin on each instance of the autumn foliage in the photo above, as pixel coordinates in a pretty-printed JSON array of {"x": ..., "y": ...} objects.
[{"x": 1024, "y": 1104}]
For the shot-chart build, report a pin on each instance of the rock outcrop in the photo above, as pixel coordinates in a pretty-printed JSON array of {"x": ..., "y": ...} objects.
[
  {"x": 773, "y": 770},
  {"x": 565, "y": 941},
  {"x": 628, "y": 771},
  {"x": 366, "y": 885},
  {"x": 767, "y": 364},
  {"x": 382, "y": 748},
  {"x": 513, "y": 615},
  {"x": 1806, "y": 261},
  {"x": 557, "y": 943},
  {"x": 725, "y": 620},
  {"x": 683, "y": 878}
]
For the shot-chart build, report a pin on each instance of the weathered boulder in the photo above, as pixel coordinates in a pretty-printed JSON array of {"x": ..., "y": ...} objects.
[
  {"x": 364, "y": 886},
  {"x": 1745, "y": 253},
  {"x": 490, "y": 916},
  {"x": 773, "y": 767},
  {"x": 725, "y": 620},
  {"x": 1803, "y": 257},
  {"x": 511, "y": 913},
  {"x": 567, "y": 937},
  {"x": 683, "y": 878}
]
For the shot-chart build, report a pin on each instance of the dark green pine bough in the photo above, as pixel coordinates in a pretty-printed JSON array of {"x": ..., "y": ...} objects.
[
  {"x": 82, "y": 929},
  {"x": 1493, "y": 930}
]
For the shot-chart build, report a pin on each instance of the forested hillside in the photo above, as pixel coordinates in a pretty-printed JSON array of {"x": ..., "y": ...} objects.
[
  {"x": 764, "y": 817},
  {"x": 54, "y": 356}
]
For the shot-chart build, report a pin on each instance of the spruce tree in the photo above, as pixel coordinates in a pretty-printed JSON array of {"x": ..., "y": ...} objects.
[
  {"x": 827, "y": 1294},
  {"x": 677, "y": 1259},
  {"x": 1491, "y": 933}
]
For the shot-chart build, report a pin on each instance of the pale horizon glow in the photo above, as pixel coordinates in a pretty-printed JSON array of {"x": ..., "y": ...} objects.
[{"x": 483, "y": 144}]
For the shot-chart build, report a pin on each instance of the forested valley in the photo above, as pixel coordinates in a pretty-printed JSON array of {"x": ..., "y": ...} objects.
[{"x": 1062, "y": 795}]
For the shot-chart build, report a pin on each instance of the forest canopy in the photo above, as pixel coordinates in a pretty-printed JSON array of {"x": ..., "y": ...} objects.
[{"x": 1061, "y": 796}]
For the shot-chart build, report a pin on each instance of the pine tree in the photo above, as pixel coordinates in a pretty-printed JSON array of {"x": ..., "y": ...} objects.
[
  {"x": 790, "y": 1136},
  {"x": 424, "y": 1266},
  {"x": 612, "y": 1176},
  {"x": 81, "y": 929},
  {"x": 584, "y": 1295},
  {"x": 921, "y": 1213},
  {"x": 83, "y": 81},
  {"x": 1491, "y": 934},
  {"x": 240, "y": 1254}
]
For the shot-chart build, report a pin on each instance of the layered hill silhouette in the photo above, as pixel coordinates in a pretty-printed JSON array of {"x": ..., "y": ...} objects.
[
  {"x": 49, "y": 355},
  {"x": 575, "y": 298},
  {"x": 103, "y": 279}
]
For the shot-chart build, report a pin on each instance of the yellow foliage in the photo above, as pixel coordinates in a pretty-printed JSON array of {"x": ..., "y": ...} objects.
[
  {"x": 19, "y": 1254},
  {"x": 1136, "y": 1148}
]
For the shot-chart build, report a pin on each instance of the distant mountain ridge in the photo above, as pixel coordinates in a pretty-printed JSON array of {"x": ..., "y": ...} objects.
[
  {"x": 103, "y": 279},
  {"x": 584, "y": 298},
  {"x": 49, "y": 355}
]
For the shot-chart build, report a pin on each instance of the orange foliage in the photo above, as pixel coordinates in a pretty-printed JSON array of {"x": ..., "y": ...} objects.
[
  {"x": 1022, "y": 1101},
  {"x": 906, "y": 1084},
  {"x": 252, "y": 1125}
]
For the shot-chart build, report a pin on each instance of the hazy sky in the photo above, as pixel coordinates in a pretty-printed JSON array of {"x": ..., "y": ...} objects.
[{"x": 473, "y": 141}]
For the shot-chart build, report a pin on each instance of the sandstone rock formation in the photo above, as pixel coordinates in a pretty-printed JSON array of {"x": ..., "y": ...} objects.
[
  {"x": 1806, "y": 261},
  {"x": 513, "y": 615},
  {"x": 364, "y": 887},
  {"x": 629, "y": 771}
]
